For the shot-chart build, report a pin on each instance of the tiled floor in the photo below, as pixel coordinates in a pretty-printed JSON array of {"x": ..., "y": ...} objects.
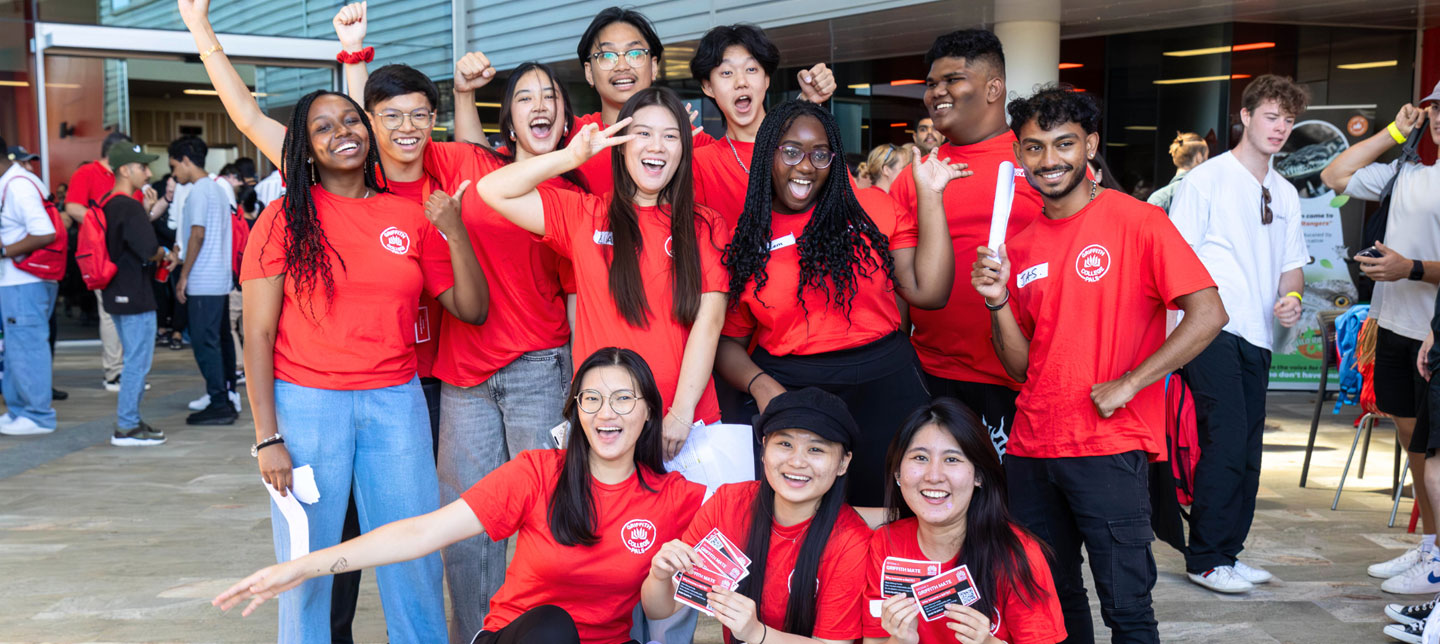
[{"x": 128, "y": 545}]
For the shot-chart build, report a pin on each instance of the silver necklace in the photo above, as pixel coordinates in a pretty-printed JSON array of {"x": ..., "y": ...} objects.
[{"x": 737, "y": 156}]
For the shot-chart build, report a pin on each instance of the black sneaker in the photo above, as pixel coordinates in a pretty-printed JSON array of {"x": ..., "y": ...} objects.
[
  {"x": 1413, "y": 614},
  {"x": 220, "y": 412},
  {"x": 142, "y": 436},
  {"x": 1408, "y": 633},
  {"x": 57, "y": 394}
]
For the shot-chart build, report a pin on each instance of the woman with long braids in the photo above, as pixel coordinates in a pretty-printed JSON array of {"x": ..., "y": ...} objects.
[
  {"x": 808, "y": 548},
  {"x": 947, "y": 505},
  {"x": 646, "y": 257},
  {"x": 588, "y": 519},
  {"x": 813, "y": 282}
]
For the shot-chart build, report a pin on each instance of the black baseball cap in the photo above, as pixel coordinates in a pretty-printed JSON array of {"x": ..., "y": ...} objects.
[
  {"x": 19, "y": 153},
  {"x": 811, "y": 409}
]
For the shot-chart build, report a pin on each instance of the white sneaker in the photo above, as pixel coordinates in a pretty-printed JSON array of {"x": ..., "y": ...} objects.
[
  {"x": 1222, "y": 579},
  {"x": 1421, "y": 579},
  {"x": 23, "y": 426},
  {"x": 200, "y": 403},
  {"x": 1407, "y": 633},
  {"x": 1431, "y": 634},
  {"x": 1388, "y": 569},
  {"x": 1252, "y": 574},
  {"x": 234, "y": 400}
]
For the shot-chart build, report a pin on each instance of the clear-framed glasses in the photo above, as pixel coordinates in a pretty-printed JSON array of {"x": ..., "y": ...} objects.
[
  {"x": 394, "y": 120},
  {"x": 819, "y": 157},
  {"x": 621, "y": 402},
  {"x": 606, "y": 60}
]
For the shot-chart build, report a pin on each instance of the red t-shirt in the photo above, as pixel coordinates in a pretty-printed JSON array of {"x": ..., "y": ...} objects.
[
  {"x": 597, "y": 170},
  {"x": 598, "y": 585},
  {"x": 722, "y": 176},
  {"x": 527, "y": 307},
  {"x": 1090, "y": 291},
  {"x": 841, "y": 577},
  {"x": 91, "y": 182},
  {"x": 783, "y": 327},
  {"x": 954, "y": 342},
  {"x": 577, "y": 226},
  {"x": 1017, "y": 619},
  {"x": 427, "y": 320},
  {"x": 362, "y": 337}
]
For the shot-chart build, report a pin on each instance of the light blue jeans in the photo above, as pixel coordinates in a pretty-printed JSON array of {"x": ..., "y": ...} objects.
[
  {"x": 375, "y": 442},
  {"x": 26, "y": 313},
  {"x": 137, "y": 341},
  {"x": 481, "y": 427}
]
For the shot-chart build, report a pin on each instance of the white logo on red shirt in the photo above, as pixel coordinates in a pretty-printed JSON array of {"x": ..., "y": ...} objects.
[
  {"x": 667, "y": 247},
  {"x": 1092, "y": 263},
  {"x": 638, "y": 535},
  {"x": 395, "y": 240},
  {"x": 1031, "y": 274}
]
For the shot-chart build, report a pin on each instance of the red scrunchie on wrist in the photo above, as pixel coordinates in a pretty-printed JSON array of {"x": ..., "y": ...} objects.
[{"x": 356, "y": 57}]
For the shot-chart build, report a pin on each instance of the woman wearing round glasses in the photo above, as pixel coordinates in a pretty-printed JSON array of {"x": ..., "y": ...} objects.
[{"x": 813, "y": 281}]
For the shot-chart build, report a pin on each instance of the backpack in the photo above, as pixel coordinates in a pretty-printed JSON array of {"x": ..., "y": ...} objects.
[
  {"x": 47, "y": 262},
  {"x": 92, "y": 254},
  {"x": 239, "y": 235},
  {"x": 1182, "y": 436}
]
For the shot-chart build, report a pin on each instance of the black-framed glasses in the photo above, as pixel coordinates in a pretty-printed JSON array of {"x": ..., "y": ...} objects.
[
  {"x": 621, "y": 402},
  {"x": 819, "y": 157},
  {"x": 1266, "y": 215},
  {"x": 606, "y": 60},
  {"x": 394, "y": 120}
]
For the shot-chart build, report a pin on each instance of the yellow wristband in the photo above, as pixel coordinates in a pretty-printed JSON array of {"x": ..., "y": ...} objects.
[
  {"x": 1297, "y": 296},
  {"x": 1395, "y": 133},
  {"x": 216, "y": 48}
]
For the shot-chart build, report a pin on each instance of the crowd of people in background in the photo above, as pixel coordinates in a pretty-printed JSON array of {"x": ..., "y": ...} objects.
[{"x": 468, "y": 342}]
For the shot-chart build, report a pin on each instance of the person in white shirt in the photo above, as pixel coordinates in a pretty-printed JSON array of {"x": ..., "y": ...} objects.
[
  {"x": 1405, "y": 287},
  {"x": 269, "y": 189},
  {"x": 1243, "y": 220},
  {"x": 26, "y": 302}
]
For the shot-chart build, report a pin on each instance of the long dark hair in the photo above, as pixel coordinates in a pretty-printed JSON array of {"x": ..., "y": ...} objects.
[
  {"x": 572, "y": 514},
  {"x": 565, "y": 119},
  {"x": 677, "y": 199},
  {"x": 800, "y": 610},
  {"x": 992, "y": 547},
  {"x": 305, "y": 243},
  {"x": 838, "y": 241}
]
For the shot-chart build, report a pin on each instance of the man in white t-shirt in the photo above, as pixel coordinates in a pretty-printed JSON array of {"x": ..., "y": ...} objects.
[
  {"x": 26, "y": 302},
  {"x": 1405, "y": 286},
  {"x": 1243, "y": 220},
  {"x": 270, "y": 188}
]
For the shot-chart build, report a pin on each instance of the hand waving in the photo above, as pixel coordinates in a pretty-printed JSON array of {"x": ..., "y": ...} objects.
[
  {"x": 935, "y": 174},
  {"x": 194, "y": 12},
  {"x": 350, "y": 26}
]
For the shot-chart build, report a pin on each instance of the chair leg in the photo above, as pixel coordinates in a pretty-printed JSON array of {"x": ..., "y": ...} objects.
[
  {"x": 1343, "y": 473},
  {"x": 1315, "y": 421},
  {"x": 1365, "y": 448},
  {"x": 1398, "y": 490},
  {"x": 1396, "y": 478}
]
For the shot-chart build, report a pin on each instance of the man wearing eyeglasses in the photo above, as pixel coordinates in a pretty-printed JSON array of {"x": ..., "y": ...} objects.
[{"x": 1243, "y": 220}]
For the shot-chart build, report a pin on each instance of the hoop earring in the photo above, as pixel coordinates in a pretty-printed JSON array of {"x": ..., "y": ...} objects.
[{"x": 512, "y": 135}]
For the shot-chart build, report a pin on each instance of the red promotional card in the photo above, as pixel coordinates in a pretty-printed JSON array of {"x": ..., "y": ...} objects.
[
  {"x": 691, "y": 587},
  {"x": 949, "y": 587},
  {"x": 717, "y": 540},
  {"x": 899, "y": 574}
]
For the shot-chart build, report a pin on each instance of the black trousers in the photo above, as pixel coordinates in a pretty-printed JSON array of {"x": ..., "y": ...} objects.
[
  {"x": 1228, "y": 380},
  {"x": 994, "y": 404},
  {"x": 540, "y": 625},
  {"x": 1102, "y": 503},
  {"x": 212, "y": 343},
  {"x": 880, "y": 382}
]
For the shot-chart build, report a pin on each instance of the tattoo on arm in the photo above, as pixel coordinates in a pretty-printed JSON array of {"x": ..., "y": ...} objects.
[{"x": 340, "y": 564}]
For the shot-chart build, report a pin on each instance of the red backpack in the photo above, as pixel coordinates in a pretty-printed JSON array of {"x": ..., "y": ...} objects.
[
  {"x": 239, "y": 235},
  {"x": 91, "y": 251},
  {"x": 47, "y": 262},
  {"x": 1182, "y": 436}
]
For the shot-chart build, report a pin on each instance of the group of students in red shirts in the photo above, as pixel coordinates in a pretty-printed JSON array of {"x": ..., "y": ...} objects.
[{"x": 662, "y": 256}]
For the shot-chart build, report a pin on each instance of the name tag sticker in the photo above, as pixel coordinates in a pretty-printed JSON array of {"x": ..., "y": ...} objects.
[
  {"x": 604, "y": 238},
  {"x": 781, "y": 242},
  {"x": 1038, "y": 271}
]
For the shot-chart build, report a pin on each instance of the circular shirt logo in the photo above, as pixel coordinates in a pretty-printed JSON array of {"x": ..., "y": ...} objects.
[
  {"x": 667, "y": 246},
  {"x": 395, "y": 240},
  {"x": 1093, "y": 263},
  {"x": 638, "y": 535}
]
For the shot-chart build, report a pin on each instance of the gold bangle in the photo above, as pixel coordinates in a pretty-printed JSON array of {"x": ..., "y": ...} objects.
[
  {"x": 206, "y": 53},
  {"x": 1395, "y": 133}
]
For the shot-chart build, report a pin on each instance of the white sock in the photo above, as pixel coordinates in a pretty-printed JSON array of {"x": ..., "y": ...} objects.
[{"x": 1427, "y": 543}]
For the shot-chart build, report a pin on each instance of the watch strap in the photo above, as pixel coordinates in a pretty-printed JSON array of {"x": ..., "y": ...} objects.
[{"x": 1417, "y": 270}]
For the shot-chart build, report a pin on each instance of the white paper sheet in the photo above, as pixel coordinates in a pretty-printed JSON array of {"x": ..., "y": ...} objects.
[
  {"x": 302, "y": 489},
  {"x": 1000, "y": 213},
  {"x": 716, "y": 454}
]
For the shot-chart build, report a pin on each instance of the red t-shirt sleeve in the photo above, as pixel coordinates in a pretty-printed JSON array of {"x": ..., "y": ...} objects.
[
  {"x": 899, "y": 225},
  {"x": 1034, "y": 620},
  {"x": 565, "y": 211},
  {"x": 842, "y": 597},
  {"x": 700, "y": 140},
  {"x": 82, "y": 185},
  {"x": 712, "y": 237},
  {"x": 265, "y": 248},
  {"x": 506, "y": 496},
  {"x": 902, "y": 190},
  {"x": 739, "y": 321},
  {"x": 435, "y": 264},
  {"x": 1175, "y": 270}
]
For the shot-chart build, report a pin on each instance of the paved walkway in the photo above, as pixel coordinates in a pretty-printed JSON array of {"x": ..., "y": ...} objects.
[{"x": 100, "y": 543}]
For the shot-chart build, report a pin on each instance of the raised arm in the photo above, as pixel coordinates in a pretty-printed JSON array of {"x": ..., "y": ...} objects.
[
  {"x": 350, "y": 27},
  {"x": 925, "y": 274},
  {"x": 266, "y": 133},
  {"x": 1337, "y": 175},
  {"x": 511, "y": 190},
  {"x": 472, "y": 72}
]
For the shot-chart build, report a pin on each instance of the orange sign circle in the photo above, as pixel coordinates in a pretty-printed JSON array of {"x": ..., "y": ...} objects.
[{"x": 1357, "y": 125}]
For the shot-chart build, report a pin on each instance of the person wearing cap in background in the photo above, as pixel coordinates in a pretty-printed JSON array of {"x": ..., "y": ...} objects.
[
  {"x": 25, "y": 158},
  {"x": 808, "y": 548},
  {"x": 1406, "y": 276},
  {"x": 128, "y": 298},
  {"x": 26, "y": 300}
]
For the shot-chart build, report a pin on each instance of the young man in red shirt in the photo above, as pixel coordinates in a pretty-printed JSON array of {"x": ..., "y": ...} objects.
[
  {"x": 965, "y": 96},
  {"x": 1082, "y": 326}
]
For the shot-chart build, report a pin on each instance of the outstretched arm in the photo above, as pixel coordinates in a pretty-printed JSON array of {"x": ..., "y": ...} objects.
[
  {"x": 266, "y": 133},
  {"x": 511, "y": 190},
  {"x": 350, "y": 27},
  {"x": 472, "y": 72}
]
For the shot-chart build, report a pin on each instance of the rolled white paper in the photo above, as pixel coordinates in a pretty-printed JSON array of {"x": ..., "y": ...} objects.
[{"x": 1004, "y": 195}]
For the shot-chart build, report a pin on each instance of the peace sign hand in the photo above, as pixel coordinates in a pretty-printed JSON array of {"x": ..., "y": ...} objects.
[{"x": 591, "y": 140}]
